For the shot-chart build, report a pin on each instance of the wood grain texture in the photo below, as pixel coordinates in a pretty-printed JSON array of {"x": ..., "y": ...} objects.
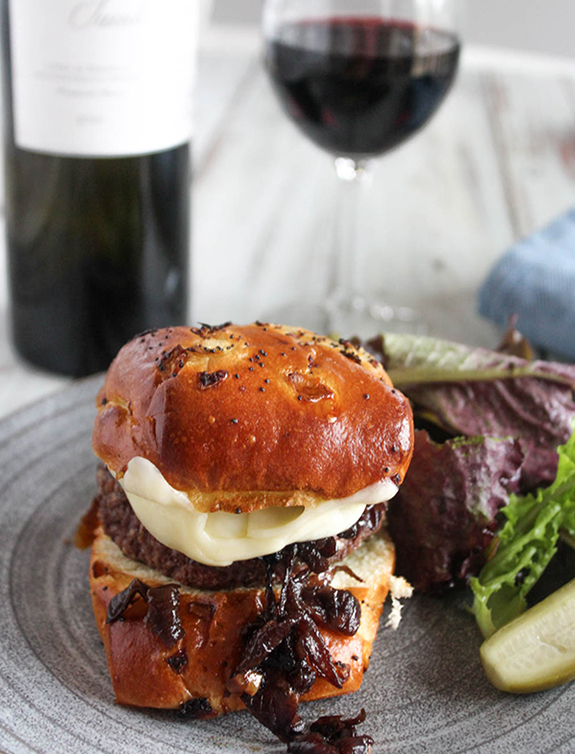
[{"x": 496, "y": 163}]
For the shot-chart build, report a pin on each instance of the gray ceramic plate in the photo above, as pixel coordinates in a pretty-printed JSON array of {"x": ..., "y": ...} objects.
[{"x": 424, "y": 692}]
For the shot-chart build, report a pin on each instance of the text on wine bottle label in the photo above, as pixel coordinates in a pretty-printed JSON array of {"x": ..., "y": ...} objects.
[{"x": 103, "y": 78}]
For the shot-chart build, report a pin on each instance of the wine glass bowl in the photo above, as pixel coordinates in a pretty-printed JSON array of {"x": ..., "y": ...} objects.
[
  {"x": 359, "y": 78},
  {"x": 359, "y": 86}
]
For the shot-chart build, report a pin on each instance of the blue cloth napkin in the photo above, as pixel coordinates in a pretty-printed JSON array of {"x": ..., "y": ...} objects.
[{"x": 536, "y": 280}]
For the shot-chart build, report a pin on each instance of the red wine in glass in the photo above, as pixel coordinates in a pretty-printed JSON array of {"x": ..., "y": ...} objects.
[{"x": 359, "y": 86}]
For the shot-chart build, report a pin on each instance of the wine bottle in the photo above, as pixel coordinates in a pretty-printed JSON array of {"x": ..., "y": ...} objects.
[{"x": 97, "y": 131}]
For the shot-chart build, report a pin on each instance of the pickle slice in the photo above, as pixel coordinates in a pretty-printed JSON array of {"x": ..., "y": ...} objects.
[{"x": 536, "y": 651}]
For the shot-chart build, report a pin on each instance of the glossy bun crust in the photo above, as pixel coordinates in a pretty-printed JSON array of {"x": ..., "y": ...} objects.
[{"x": 248, "y": 416}]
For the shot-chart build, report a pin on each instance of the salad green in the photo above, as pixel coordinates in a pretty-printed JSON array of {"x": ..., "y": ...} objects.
[
  {"x": 510, "y": 413},
  {"x": 525, "y": 546},
  {"x": 470, "y": 391}
]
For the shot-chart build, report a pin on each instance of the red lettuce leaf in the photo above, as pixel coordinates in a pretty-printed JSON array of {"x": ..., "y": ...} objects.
[
  {"x": 538, "y": 413},
  {"x": 473, "y": 391},
  {"x": 442, "y": 519}
]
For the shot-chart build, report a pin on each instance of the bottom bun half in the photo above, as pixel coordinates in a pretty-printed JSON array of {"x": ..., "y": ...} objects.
[{"x": 145, "y": 673}]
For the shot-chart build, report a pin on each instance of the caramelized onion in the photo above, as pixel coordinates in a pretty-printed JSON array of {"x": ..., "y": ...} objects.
[
  {"x": 286, "y": 652},
  {"x": 163, "y": 614}
]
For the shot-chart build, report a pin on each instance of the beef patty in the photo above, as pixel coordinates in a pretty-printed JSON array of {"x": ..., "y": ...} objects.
[{"x": 121, "y": 524}]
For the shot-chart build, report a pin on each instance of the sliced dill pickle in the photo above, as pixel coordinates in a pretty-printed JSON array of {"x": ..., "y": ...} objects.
[{"x": 535, "y": 651}]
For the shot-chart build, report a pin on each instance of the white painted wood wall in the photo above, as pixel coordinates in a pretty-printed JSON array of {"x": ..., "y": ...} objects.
[{"x": 546, "y": 26}]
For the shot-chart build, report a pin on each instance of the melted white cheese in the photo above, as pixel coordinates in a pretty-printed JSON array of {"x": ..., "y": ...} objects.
[{"x": 220, "y": 539}]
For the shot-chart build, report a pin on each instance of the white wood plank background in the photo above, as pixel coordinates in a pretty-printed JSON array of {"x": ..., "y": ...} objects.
[
  {"x": 443, "y": 207},
  {"x": 496, "y": 163},
  {"x": 543, "y": 26}
]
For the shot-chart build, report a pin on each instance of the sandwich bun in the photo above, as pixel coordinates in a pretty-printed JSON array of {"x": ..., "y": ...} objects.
[
  {"x": 246, "y": 417},
  {"x": 273, "y": 605},
  {"x": 141, "y": 667}
]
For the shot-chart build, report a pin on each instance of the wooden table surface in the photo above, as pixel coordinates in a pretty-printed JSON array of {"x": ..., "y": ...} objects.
[{"x": 496, "y": 163}]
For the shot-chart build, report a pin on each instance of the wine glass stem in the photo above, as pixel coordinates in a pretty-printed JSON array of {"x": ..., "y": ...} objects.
[{"x": 354, "y": 178}]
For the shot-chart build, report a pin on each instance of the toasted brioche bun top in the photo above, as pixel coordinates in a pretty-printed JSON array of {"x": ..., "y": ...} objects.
[{"x": 241, "y": 417}]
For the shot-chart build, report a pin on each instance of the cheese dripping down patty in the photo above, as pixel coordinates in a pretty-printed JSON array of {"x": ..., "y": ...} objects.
[{"x": 220, "y": 539}]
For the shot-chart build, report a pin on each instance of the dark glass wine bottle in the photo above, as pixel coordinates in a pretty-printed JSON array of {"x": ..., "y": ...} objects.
[{"x": 98, "y": 189}]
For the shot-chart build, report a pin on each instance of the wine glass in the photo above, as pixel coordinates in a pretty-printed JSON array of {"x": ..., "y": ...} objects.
[{"x": 358, "y": 77}]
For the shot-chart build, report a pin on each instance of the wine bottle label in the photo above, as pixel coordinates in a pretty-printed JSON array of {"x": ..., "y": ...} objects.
[{"x": 103, "y": 78}]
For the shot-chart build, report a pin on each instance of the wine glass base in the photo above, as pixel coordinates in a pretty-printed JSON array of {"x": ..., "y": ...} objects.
[
  {"x": 367, "y": 318},
  {"x": 362, "y": 317}
]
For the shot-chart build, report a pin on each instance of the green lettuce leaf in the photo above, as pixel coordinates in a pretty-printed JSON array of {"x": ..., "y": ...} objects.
[
  {"x": 412, "y": 360},
  {"x": 525, "y": 545}
]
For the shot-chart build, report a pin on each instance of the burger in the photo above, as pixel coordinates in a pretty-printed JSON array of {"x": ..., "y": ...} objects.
[{"x": 239, "y": 551}]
